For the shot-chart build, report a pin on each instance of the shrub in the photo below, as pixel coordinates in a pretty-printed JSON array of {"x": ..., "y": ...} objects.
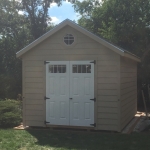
[
  {"x": 10, "y": 113},
  {"x": 11, "y": 87}
]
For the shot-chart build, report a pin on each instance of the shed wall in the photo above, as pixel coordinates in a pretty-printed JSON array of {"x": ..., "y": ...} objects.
[
  {"x": 108, "y": 92},
  {"x": 53, "y": 49},
  {"x": 128, "y": 90}
]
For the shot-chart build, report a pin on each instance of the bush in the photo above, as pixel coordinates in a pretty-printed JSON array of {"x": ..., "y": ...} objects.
[
  {"x": 10, "y": 113},
  {"x": 11, "y": 87}
]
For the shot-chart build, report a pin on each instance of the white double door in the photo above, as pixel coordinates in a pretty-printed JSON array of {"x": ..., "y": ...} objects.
[{"x": 69, "y": 90}]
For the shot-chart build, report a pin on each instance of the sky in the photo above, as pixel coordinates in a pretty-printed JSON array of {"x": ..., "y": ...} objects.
[
  {"x": 66, "y": 11},
  {"x": 58, "y": 14}
]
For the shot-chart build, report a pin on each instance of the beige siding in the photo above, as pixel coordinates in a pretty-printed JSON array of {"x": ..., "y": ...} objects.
[
  {"x": 33, "y": 93},
  {"x": 53, "y": 49},
  {"x": 128, "y": 90},
  {"x": 108, "y": 89},
  {"x": 108, "y": 127},
  {"x": 34, "y": 122}
]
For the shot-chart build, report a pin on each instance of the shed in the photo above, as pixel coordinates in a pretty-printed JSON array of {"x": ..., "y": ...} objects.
[{"x": 73, "y": 78}]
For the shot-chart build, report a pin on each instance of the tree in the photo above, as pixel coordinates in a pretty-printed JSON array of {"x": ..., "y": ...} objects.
[
  {"x": 125, "y": 22},
  {"x": 16, "y": 31},
  {"x": 14, "y": 35},
  {"x": 36, "y": 12}
]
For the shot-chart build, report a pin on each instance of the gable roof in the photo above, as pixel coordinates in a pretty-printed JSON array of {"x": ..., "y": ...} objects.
[{"x": 66, "y": 22}]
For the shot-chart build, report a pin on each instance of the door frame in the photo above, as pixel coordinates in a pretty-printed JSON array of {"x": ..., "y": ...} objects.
[{"x": 95, "y": 87}]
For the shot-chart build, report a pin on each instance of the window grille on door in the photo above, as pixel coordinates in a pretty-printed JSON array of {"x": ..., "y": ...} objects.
[
  {"x": 81, "y": 68},
  {"x": 57, "y": 68}
]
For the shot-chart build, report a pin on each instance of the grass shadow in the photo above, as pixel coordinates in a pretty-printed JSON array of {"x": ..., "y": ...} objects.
[
  {"x": 88, "y": 140},
  {"x": 64, "y": 139}
]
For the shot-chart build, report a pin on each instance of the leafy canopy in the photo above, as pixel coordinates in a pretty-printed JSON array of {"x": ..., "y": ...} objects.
[
  {"x": 22, "y": 21},
  {"x": 123, "y": 22}
]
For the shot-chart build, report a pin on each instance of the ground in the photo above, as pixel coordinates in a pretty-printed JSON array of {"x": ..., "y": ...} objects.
[{"x": 46, "y": 139}]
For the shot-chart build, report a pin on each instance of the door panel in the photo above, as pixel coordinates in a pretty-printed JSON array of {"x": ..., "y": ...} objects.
[
  {"x": 87, "y": 86},
  {"x": 57, "y": 87},
  {"x": 81, "y": 91},
  {"x": 87, "y": 110},
  {"x": 75, "y": 86},
  {"x": 75, "y": 113}
]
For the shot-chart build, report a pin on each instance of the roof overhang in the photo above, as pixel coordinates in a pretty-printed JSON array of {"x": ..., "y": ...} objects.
[
  {"x": 133, "y": 57},
  {"x": 82, "y": 30}
]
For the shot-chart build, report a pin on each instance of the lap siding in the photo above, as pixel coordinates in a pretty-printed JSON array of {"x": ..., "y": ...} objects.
[
  {"x": 107, "y": 103},
  {"x": 34, "y": 92},
  {"x": 108, "y": 127},
  {"x": 108, "y": 86},
  {"x": 107, "y": 116},
  {"x": 107, "y": 98},
  {"x": 107, "y": 110},
  {"x": 35, "y": 123},
  {"x": 35, "y": 118},
  {"x": 34, "y": 112},
  {"x": 34, "y": 106},
  {"x": 128, "y": 90}
]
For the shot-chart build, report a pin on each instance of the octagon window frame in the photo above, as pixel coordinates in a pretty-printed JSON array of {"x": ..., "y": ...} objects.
[{"x": 69, "y": 39}]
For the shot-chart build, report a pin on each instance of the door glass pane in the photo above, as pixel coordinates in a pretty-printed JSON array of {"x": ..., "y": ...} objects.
[
  {"x": 79, "y": 69},
  {"x": 51, "y": 68},
  {"x": 88, "y": 68},
  {"x": 55, "y": 68},
  {"x": 59, "y": 69},
  {"x": 74, "y": 69},
  {"x": 83, "y": 68},
  {"x": 63, "y": 69}
]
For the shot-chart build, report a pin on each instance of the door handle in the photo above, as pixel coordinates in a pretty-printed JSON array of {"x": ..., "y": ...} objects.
[{"x": 70, "y": 98}]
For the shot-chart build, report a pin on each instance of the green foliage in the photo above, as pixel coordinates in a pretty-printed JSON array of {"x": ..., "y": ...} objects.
[
  {"x": 125, "y": 23},
  {"x": 17, "y": 30},
  {"x": 10, "y": 113},
  {"x": 10, "y": 87},
  {"x": 36, "y": 13},
  {"x": 14, "y": 35}
]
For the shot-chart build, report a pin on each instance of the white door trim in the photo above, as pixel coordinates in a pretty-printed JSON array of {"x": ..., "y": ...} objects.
[{"x": 83, "y": 104}]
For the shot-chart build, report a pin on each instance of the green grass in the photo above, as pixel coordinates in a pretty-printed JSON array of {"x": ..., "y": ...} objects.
[{"x": 71, "y": 140}]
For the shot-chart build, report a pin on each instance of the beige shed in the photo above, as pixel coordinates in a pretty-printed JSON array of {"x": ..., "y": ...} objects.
[{"x": 73, "y": 78}]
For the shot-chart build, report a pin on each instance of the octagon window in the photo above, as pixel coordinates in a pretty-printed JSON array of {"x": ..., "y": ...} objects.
[{"x": 69, "y": 39}]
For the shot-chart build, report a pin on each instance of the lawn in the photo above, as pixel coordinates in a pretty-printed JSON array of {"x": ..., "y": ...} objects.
[{"x": 41, "y": 139}]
